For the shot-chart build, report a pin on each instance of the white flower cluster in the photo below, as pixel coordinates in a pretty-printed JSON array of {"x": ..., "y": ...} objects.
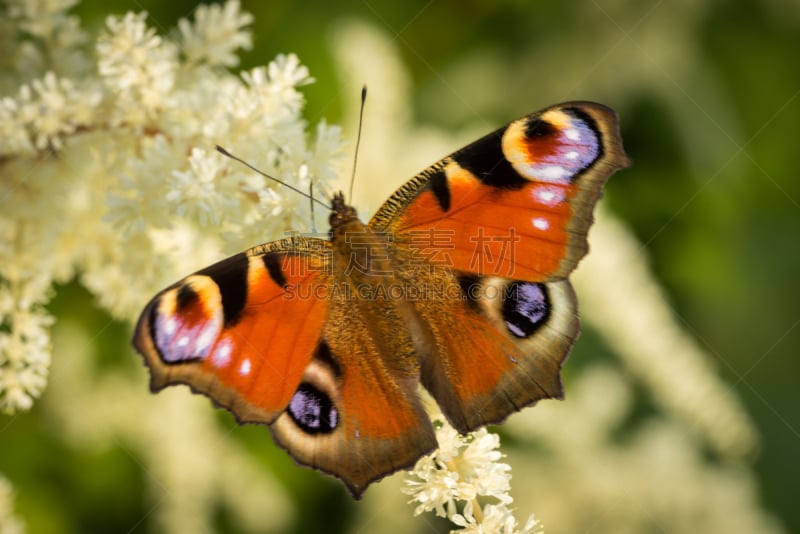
[
  {"x": 37, "y": 36},
  {"x": 463, "y": 469},
  {"x": 109, "y": 166},
  {"x": 215, "y": 35}
]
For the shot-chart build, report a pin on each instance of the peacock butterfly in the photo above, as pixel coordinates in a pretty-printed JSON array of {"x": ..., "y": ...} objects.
[{"x": 459, "y": 283}]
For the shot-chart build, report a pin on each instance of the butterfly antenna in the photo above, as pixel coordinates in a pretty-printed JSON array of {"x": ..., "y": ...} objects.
[
  {"x": 358, "y": 139},
  {"x": 265, "y": 175},
  {"x": 311, "y": 201}
]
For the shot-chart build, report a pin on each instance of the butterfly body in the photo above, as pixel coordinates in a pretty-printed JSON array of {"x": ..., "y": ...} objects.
[{"x": 458, "y": 283}]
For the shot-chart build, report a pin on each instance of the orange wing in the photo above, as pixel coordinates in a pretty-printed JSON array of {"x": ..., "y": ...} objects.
[
  {"x": 516, "y": 203},
  {"x": 497, "y": 347},
  {"x": 495, "y": 229},
  {"x": 266, "y": 335},
  {"x": 234, "y": 332}
]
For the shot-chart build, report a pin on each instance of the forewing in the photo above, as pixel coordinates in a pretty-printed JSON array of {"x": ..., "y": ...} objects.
[{"x": 518, "y": 202}]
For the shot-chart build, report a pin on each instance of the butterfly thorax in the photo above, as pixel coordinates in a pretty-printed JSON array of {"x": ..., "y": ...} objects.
[{"x": 361, "y": 255}]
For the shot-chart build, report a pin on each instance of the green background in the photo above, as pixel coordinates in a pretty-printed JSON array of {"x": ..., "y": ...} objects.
[{"x": 713, "y": 195}]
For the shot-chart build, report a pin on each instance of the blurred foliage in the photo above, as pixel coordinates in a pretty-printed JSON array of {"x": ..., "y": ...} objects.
[{"x": 718, "y": 213}]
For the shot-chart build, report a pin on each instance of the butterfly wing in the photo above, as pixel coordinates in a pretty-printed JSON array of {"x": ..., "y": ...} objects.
[
  {"x": 264, "y": 335},
  {"x": 228, "y": 331},
  {"x": 516, "y": 203},
  {"x": 498, "y": 344},
  {"x": 381, "y": 425},
  {"x": 497, "y": 227}
]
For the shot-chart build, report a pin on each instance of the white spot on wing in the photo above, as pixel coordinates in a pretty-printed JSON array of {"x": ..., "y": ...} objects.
[
  {"x": 548, "y": 195},
  {"x": 572, "y": 155},
  {"x": 541, "y": 223},
  {"x": 244, "y": 369},
  {"x": 551, "y": 173},
  {"x": 183, "y": 342},
  {"x": 572, "y": 134},
  {"x": 222, "y": 354},
  {"x": 170, "y": 325},
  {"x": 204, "y": 340}
]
